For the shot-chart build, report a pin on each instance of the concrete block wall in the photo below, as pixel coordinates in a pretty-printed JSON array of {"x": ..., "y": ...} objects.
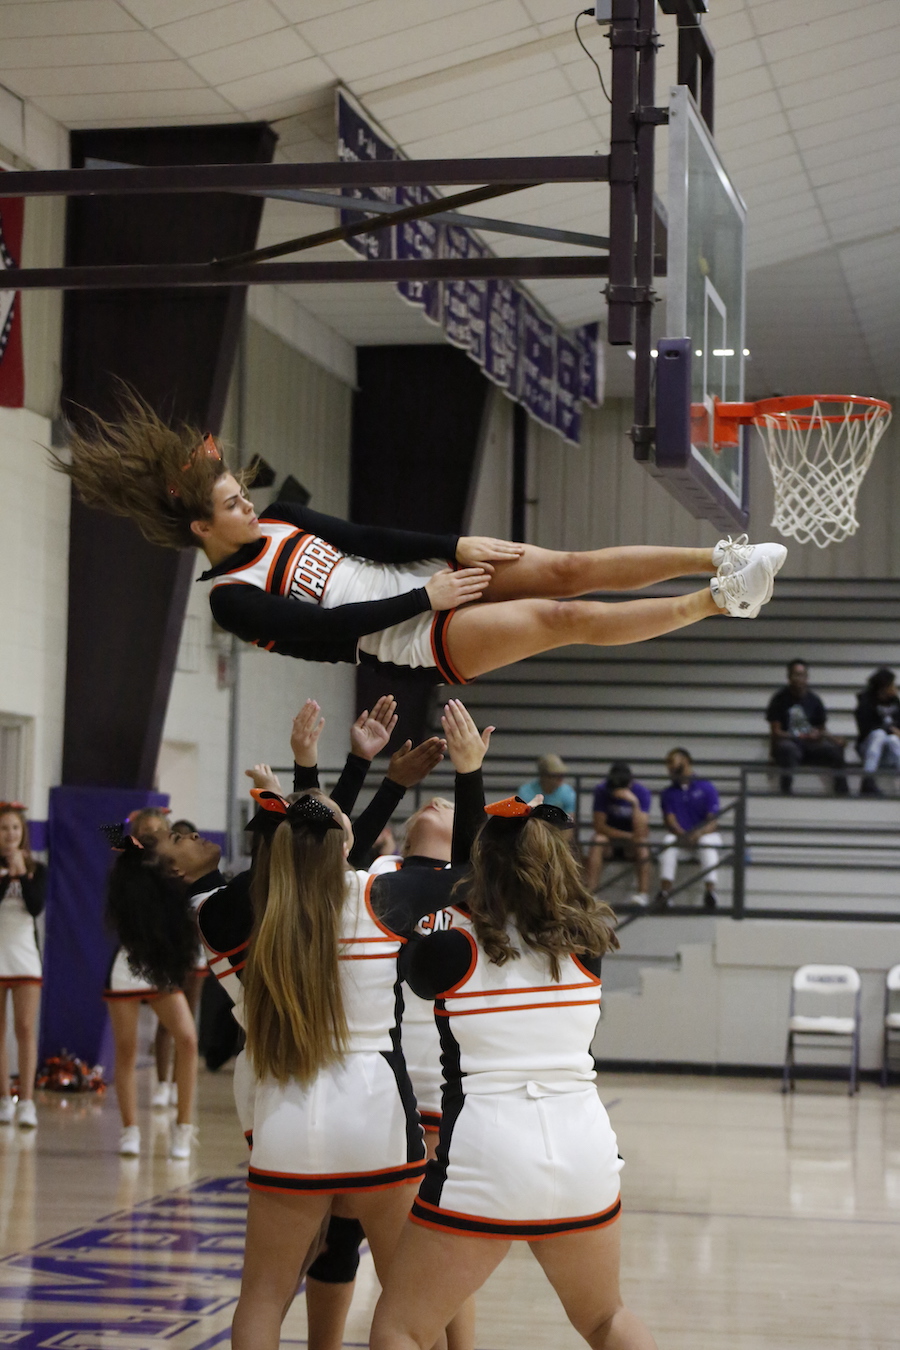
[{"x": 724, "y": 999}]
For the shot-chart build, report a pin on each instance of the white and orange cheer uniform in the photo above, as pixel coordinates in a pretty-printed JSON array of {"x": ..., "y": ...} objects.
[
  {"x": 323, "y": 589},
  {"x": 526, "y": 1148},
  {"x": 355, "y": 1127}
]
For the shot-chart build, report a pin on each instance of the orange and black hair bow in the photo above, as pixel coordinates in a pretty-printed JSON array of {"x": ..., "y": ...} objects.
[{"x": 515, "y": 810}]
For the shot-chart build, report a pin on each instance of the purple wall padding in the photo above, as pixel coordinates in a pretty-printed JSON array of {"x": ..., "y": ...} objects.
[{"x": 79, "y": 946}]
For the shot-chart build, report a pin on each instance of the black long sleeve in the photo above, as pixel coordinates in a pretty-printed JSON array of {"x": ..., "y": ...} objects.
[
  {"x": 468, "y": 815},
  {"x": 346, "y": 789},
  {"x": 349, "y": 785},
  {"x": 306, "y": 776},
  {"x": 285, "y": 624},
  {"x": 34, "y": 889},
  {"x": 868, "y": 716},
  {"x": 372, "y": 820},
  {"x": 376, "y": 542}
]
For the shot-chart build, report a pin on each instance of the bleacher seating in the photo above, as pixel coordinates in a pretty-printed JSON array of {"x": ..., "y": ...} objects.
[{"x": 707, "y": 689}]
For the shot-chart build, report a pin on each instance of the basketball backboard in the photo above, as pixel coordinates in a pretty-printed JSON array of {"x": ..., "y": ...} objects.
[{"x": 702, "y": 358}]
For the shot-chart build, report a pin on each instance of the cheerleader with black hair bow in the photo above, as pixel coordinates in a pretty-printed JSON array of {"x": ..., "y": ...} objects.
[{"x": 333, "y": 1111}]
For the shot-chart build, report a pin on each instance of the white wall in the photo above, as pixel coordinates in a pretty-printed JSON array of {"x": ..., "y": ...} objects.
[
  {"x": 34, "y": 557},
  {"x": 34, "y": 500}
]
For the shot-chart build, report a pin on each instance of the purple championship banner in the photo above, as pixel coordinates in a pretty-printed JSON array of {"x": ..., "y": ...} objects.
[{"x": 549, "y": 371}]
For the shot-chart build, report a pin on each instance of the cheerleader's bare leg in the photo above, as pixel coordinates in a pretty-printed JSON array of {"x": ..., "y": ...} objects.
[
  {"x": 483, "y": 637},
  {"x": 4, "y": 1057},
  {"x": 26, "y": 1000},
  {"x": 583, "y": 1269},
  {"x": 431, "y": 1278},
  {"x": 383, "y": 1215},
  {"x": 175, "y": 1015},
  {"x": 550, "y": 574},
  {"x": 123, "y": 1016},
  {"x": 280, "y": 1231}
]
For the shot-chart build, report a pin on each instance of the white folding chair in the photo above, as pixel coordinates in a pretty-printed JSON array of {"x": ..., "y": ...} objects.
[
  {"x": 891, "y": 1019},
  {"x": 827, "y": 982}
]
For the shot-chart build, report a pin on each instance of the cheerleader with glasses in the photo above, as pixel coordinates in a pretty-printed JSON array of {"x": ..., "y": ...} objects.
[
  {"x": 22, "y": 887},
  {"x": 315, "y": 587}
]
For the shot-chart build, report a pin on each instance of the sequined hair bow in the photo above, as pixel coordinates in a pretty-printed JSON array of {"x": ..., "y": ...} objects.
[
  {"x": 305, "y": 813},
  {"x": 514, "y": 810},
  {"x": 120, "y": 841},
  {"x": 207, "y": 449}
]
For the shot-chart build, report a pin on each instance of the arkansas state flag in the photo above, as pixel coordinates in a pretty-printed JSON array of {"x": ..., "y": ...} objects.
[{"x": 12, "y": 373}]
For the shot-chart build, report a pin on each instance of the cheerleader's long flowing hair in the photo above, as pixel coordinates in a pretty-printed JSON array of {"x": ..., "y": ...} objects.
[
  {"x": 160, "y": 477},
  {"x": 525, "y": 878},
  {"x": 296, "y": 1023}
]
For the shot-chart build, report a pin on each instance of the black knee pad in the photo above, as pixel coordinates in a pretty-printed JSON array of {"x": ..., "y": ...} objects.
[{"x": 339, "y": 1261}]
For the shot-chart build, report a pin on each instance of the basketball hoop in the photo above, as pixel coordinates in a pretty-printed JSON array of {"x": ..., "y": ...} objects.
[{"x": 819, "y": 447}]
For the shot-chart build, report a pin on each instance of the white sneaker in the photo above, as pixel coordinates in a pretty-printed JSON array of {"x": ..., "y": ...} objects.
[
  {"x": 7, "y": 1110},
  {"x": 130, "y": 1141},
  {"x": 183, "y": 1137},
  {"x": 160, "y": 1098},
  {"x": 26, "y": 1115},
  {"x": 733, "y": 555},
  {"x": 742, "y": 594},
  {"x": 640, "y": 898}
]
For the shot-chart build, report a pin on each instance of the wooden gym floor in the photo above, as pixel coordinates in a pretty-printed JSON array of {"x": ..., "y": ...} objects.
[{"x": 751, "y": 1220}]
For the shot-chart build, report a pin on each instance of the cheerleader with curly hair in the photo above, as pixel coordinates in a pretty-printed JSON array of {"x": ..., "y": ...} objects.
[{"x": 150, "y": 911}]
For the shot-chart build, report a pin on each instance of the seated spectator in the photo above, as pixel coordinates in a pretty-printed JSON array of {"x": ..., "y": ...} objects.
[
  {"x": 878, "y": 723},
  {"x": 621, "y": 828},
  {"x": 551, "y": 783},
  {"x": 690, "y": 808},
  {"x": 797, "y": 719}
]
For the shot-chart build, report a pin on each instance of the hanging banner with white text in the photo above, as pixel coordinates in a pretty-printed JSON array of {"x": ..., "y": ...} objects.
[{"x": 520, "y": 349}]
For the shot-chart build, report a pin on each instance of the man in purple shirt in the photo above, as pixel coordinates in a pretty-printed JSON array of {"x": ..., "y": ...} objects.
[
  {"x": 621, "y": 828},
  {"x": 690, "y": 808}
]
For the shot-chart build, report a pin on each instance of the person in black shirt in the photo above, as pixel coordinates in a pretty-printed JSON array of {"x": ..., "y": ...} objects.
[
  {"x": 878, "y": 724},
  {"x": 797, "y": 719},
  {"x": 318, "y": 588}
]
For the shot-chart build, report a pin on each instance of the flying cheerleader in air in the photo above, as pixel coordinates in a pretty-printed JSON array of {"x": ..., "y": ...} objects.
[{"x": 312, "y": 586}]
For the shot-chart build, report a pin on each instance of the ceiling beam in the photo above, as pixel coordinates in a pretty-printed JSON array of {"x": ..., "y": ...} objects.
[
  {"x": 297, "y": 273},
  {"x": 372, "y": 173}
]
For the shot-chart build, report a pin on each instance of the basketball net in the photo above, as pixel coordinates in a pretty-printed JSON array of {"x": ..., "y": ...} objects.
[{"x": 819, "y": 448}]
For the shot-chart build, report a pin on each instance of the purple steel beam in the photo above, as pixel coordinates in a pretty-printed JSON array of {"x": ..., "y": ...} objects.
[
  {"x": 242, "y": 177},
  {"x": 130, "y": 277}
]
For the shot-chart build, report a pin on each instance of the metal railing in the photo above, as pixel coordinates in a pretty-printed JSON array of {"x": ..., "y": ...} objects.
[{"x": 837, "y": 840}]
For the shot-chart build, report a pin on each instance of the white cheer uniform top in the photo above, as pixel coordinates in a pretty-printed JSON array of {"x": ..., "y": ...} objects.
[{"x": 512, "y": 1026}]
